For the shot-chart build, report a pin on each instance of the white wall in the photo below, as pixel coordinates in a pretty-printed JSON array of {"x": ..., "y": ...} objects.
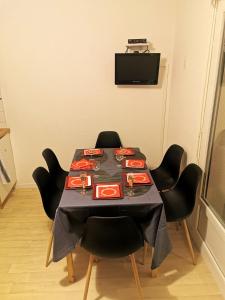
[
  {"x": 191, "y": 50},
  {"x": 2, "y": 113},
  {"x": 196, "y": 55},
  {"x": 57, "y": 75}
]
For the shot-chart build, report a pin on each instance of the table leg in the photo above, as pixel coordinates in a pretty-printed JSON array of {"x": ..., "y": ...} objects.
[{"x": 70, "y": 268}]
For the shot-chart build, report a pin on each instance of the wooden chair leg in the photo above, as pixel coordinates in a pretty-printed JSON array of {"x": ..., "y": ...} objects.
[
  {"x": 49, "y": 249},
  {"x": 96, "y": 259},
  {"x": 70, "y": 268},
  {"x": 154, "y": 273},
  {"x": 91, "y": 260},
  {"x": 189, "y": 242},
  {"x": 136, "y": 276},
  {"x": 145, "y": 251}
]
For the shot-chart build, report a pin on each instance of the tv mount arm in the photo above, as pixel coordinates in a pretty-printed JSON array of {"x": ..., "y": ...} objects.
[{"x": 137, "y": 48}]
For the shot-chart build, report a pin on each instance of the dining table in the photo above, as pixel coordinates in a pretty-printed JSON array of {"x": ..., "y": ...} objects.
[{"x": 145, "y": 206}]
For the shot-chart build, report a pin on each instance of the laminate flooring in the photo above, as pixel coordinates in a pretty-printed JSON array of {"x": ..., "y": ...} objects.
[{"x": 24, "y": 232}]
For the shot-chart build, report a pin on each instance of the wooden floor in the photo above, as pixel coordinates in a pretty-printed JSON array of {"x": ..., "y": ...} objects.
[{"x": 24, "y": 232}]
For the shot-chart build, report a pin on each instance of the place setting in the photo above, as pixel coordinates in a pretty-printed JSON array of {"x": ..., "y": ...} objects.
[
  {"x": 136, "y": 183},
  {"x": 93, "y": 152},
  {"x": 108, "y": 191},
  {"x": 134, "y": 164},
  {"x": 82, "y": 182},
  {"x": 96, "y": 155},
  {"x": 85, "y": 164},
  {"x": 121, "y": 153},
  {"x": 101, "y": 190}
]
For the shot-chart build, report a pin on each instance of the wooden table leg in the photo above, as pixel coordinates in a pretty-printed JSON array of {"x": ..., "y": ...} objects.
[{"x": 70, "y": 268}]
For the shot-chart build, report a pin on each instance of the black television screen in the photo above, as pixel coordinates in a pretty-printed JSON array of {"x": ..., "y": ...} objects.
[{"x": 137, "y": 68}]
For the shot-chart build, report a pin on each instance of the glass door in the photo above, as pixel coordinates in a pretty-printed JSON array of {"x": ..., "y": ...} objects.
[{"x": 214, "y": 192}]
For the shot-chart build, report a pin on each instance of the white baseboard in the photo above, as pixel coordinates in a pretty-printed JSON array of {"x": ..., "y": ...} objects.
[
  {"x": 209, "y": 259},
  {"x": 212, "y": 265}
]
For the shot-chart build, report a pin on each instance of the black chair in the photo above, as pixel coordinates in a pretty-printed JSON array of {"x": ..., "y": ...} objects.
[
  {"x": 112, "y": 237},
  {"x": 55, "y": 170},
  {"x": 50, "y": 195},
  {"x": 108, "y": 139},
  {"x": 167, "y": 174},
  {"x": 180, "y": 201}
]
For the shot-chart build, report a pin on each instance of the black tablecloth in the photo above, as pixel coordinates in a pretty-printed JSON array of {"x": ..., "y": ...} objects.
[{"x": 146, "y": 207}]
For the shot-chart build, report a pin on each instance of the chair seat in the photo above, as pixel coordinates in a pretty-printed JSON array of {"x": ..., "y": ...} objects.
[
  {"x": 60, "y": 180},
  {"x": 175, "y": 207},
  {"x": 54, "y": 199},
  {"x": 162, "y": 179}
]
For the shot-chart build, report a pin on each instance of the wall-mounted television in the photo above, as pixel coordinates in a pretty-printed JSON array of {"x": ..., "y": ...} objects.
[{"x": 137, "y": 68}]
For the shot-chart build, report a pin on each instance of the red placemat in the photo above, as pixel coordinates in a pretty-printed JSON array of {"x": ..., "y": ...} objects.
[
  {"x": 107, "y": 191},
  {"x": 74, "y": 182},
  {"x": 134, "y": 163},
  {"x": 124, "y": 151},
  {"x": 83, "y": 164},
  {"x": 138, "y": 178},
  {"x": 93, "y": 152}
]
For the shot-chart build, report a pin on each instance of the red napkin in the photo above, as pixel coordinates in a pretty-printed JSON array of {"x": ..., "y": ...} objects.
[
  {"x": 93, "y": 151},
  {"x": 124, "y": 151},
  {"x": 82, "y": 164}
]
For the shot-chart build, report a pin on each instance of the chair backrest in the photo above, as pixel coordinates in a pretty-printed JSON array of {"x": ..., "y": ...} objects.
[
  {"x": 111, "y": 236},
  {"x": 55, "y": 170},
  {"x": 187, "y": 185},
  {"x": 179, "y": 202},
  {"x": 108, "y": 139},
  {"x": 52, "y": 162},
  {"x": 50, "y": 194},
  {"x": 172, "y": 160},
  {"x": 186, "y": 189}
]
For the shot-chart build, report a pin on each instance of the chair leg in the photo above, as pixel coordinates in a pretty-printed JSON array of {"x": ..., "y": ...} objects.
[
  {"x": 49, "y": 249},
  {"x": 136, "y": 276},
  {"x": 154, "y": 273},
  {"x": 70, "y": 267},
  {"x": 91, "y": 260},
  {"x": 96, "y": 260},
  {"x": 145, "y": 251},
  {"x": 189, "y": 242}
]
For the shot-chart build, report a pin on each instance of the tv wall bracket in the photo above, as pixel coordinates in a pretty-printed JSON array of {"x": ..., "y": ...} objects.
[{"x": 138, "y": 48}]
